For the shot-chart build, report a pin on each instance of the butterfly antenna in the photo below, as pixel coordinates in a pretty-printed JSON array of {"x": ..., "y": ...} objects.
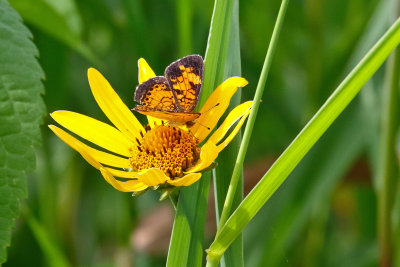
[
  {"x": 216, "y": 105},
  {"x": 208, "y": 128},
  {"x": 191, "y": 123}
]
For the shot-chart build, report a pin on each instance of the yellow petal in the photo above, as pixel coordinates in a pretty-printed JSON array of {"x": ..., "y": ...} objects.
[
  {"x": 234, "y": 132},
  {"x": 112, "y": 105},
  {"x": 154, "y": 121},
  {"x": 186, "y": 180},
  {"x": 123, "y": 186},
  {"x": 230, "y": 120},
  {"x": 122, "y": 174},
  {"x": 94, "y": 131},
  {"x": 152, "y": 177},
  {"x": 208, "y": 154},
  {"x": 215, "y": 106},
  {"x": 103, "y": 157},
  {"x": 145, "y": 72}
]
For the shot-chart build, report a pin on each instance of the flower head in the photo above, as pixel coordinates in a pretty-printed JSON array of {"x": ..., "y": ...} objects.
[{"x": 155, "y": 155}]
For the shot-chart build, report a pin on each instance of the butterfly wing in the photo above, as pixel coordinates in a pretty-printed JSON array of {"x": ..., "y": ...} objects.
[
  {"x": 185, "y": 78},
  {"x": 155, "y": 94}
]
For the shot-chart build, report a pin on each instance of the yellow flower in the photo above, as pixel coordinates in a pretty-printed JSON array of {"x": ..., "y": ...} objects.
[{"x": 157, "y": 154}]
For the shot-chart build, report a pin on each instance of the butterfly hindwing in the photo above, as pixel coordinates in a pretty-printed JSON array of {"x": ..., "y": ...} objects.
[
  {"x": 185, "y": 77},
  {"x": 155, "y": 94}
]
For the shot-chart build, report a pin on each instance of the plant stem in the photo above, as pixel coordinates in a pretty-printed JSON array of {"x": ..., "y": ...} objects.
[
  {"x": 250, "y": 123},
  {"x": 213, "y": 261},
  {"x": 387, "y": 170}
]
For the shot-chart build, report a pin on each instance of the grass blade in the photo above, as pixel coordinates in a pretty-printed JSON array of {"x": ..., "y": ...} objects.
[
  {"x": 186, "y": 245},
  {"x": 250, "y": 124},
  {"x": 332, "y": 108},
  {"x": 184, "y": 13},
  {"x": 388, "y": 162},
  {"x": 51, "y": 250},
  {"x": 226, "y": 162},
  {"x": 352, "y": 133},
  {"x": 183, "y": 225}
]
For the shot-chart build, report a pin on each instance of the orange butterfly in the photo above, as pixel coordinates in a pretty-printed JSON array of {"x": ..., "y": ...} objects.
[{"x": 174, "y": 96}]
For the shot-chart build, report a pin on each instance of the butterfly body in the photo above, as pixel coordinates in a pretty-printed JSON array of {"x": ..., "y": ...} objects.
[{"x": 174, "y": 96}]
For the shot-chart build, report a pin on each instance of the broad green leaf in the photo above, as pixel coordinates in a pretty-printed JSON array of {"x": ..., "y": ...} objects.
[
  {"x": 186, "y": 245},
  {"x": 21, "y": 111},
  {"x": 59, "y": 19},
  {"x": 342, "y": 96}
]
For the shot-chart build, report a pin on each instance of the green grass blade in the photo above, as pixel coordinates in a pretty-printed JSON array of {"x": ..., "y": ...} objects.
[
  {"x": 250, "y": 123},
  {"x": 51, "y": 251},
  {"x": 350, "y": 133},
  {"x": 196, "y": 250},
  {"x": 332, "y": 108},
  {"x": 182, "y": 231},
  {"x": 186, "y": 245},
  {"x": 226, "y": 161},
  {"x": 217, "y": 46},
  {"x": 388, "y": 162},
  {"x": 184, "y": 12}
]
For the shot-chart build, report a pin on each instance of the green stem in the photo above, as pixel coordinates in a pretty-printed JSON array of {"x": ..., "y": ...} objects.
[
  {"x": 388, "y": 160},
  {"x": 213, "y": 261},
  {"x": 250, "y": 123}
]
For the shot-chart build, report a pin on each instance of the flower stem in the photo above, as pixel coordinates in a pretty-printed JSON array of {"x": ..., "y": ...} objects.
[
  {"x": 213, "y": 260},
  {"x": 250, "y": 123}
]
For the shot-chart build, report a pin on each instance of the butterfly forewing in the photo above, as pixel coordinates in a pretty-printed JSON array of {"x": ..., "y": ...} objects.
[
  {"x": 185, "y": 77},
  {"x": 155, "y": 94}
]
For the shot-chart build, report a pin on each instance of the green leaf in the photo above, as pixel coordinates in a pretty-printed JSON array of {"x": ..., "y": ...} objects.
[
  {"x": 186, "y": 246},
  {"x": 326, "y": 160},
  {"x": 350, "y": 132},
  {"x": 188, "y": 229},
  {"x": 59, "y": 19},
  {"x": 388, "y": 178},
  {"x": 184, "y": 11},
  {"x": 21, "y": 111},
  {"x": 336, "y": 103},
  {"x": 227, "y": 158},
  {"x": 217, "y": 47}
]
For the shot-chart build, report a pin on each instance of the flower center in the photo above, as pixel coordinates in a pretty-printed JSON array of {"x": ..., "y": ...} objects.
[{"x": 167, "y": 148}]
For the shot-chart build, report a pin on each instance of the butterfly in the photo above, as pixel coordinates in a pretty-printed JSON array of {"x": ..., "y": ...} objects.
[{"x": 174, "y": 96}]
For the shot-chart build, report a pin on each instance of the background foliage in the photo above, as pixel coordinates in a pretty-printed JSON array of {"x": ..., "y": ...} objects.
[{"x": 323, "y": 215}]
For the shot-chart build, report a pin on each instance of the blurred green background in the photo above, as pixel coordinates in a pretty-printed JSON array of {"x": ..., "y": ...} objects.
[{"x": 323, "y": 215}]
